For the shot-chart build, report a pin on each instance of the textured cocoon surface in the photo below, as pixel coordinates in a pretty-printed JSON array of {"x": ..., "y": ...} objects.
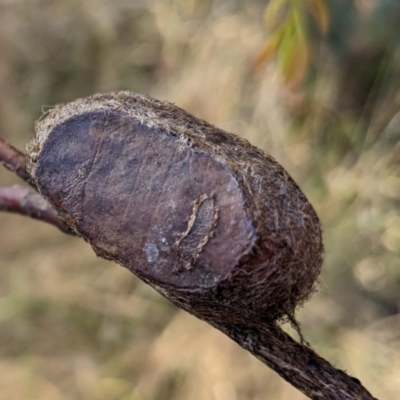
[{"x": 211, "y": 222}]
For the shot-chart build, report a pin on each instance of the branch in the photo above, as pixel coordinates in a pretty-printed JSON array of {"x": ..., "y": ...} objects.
[
  {"x": 22, "y": 200},
  {"x": 212, "y": 223},
  {"x": 15, "y": 161},
  {"x": 26, "y": 201},
  {"x": 298, "y": 364}
]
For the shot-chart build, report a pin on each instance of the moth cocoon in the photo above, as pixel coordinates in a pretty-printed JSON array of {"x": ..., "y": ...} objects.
[{"x": 213, "y": 223}]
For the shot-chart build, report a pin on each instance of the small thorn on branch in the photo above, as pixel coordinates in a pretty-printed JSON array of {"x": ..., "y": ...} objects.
[
  {"x": 15, "y": 162},
  {"x": 26, "y": 201}
]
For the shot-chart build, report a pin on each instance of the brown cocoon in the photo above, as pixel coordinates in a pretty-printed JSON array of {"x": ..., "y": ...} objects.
[{"x": 213, "y": 223}]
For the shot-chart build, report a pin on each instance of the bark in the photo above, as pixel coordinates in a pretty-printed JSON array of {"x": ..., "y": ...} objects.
[{"x": 297, "y": 363}]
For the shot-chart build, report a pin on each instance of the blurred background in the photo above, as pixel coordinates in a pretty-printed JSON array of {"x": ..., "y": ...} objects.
[{"x": 75, "y": 327}]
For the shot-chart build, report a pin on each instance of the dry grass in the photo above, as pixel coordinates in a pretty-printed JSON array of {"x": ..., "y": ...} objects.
[{"x": 75, "y": 327}]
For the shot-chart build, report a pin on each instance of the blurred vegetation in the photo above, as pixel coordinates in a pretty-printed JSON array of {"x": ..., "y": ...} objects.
[
  {"x": 289, "y": 36},
  {"x": 73, "y": 326}
]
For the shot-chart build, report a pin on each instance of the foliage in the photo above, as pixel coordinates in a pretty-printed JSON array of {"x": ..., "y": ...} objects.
[{"x": 288, "y": 35}]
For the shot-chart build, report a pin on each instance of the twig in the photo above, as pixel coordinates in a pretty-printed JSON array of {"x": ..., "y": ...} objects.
[
  {"x": 26, "y": 201},
  {"x": 15, "y": 162},
  {"x": 297, "y": 363}
]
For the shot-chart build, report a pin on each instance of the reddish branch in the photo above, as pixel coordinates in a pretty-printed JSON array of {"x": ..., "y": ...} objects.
[
  {"x": 26, "y": 201},
  {"x": 15, "y": 162}
]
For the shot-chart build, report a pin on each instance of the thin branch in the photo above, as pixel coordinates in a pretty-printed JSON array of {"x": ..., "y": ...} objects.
[
  {"x": 23, "y": 200},
  {"x": 297, "y": 363},
  {"x": 15, "y": 161},
  {"x": 26, "y": 201}
]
